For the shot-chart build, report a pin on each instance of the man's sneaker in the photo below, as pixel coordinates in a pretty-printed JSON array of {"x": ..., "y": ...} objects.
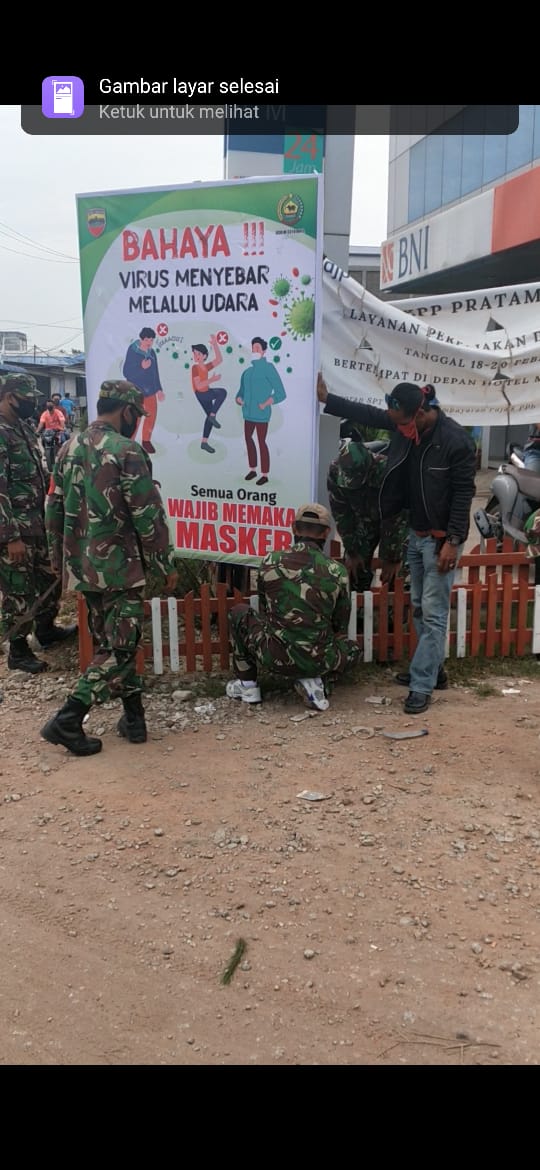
[
  {"x": 248, "y": 692},
  {"x": 404, "y": 680},
  {"x": 312, "y": 691}
]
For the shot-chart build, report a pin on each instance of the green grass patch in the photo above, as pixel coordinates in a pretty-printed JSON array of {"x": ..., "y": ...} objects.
[{"x": 464, "y": 671}]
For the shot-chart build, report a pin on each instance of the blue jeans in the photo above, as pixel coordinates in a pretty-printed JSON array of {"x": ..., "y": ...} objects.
[
  {"x": 531, "y": 459},
  {"x": 430, "y": 601}
]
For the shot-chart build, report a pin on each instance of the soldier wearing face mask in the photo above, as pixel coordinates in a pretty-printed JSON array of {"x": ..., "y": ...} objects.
[
  {"x": 107, "y": 528},
  {"x": 25, "y": 570}
]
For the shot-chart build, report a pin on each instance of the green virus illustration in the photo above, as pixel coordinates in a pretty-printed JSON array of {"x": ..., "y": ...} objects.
[
  {"x": 300, "y": 317},
  {"x": 229, "y": 349},
  {"x": 281, "y": 287},
  {"x": 305, "y": 279},
  {"x": 175, "y": 355}
]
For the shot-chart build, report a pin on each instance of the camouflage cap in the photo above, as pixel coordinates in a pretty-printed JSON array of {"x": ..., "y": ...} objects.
[
  {"x": 124, "y": 392},
  {"x": 24, "y": 385},
  {"x": 313, "y": 514}
]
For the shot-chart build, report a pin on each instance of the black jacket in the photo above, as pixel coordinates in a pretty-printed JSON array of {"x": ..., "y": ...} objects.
[{"x": 447, "y": 469}]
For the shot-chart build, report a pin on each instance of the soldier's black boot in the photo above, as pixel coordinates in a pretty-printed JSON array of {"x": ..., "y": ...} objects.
[
  {"x": 66, "y": 728},
  {"x": 21, "y": 657},
  {"x": 48, "y": 634},
  {"x": 132, "y": 724}
]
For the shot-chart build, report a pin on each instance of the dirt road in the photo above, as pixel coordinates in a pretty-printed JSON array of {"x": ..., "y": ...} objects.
[{"x": 396, "y": 921}]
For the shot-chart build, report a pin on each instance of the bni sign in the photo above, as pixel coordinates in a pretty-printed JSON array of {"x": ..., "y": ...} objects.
[{"x": 405, "y": 256}]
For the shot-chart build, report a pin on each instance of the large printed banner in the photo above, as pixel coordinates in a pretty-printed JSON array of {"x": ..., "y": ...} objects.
[
  {"x": 481, "y": 350},
  {"x": 208, "y": 298}
]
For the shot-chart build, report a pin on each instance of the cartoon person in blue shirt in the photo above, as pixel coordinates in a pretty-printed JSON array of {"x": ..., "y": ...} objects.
[
  {"x": 261, "y": 388},
  {"x": 141, "y": 368}
]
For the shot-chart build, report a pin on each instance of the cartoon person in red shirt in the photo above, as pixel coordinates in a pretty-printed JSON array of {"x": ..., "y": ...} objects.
[{"x": 210, "y": 398}]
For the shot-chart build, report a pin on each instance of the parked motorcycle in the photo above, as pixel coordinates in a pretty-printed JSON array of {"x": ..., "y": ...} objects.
[
  {"x": 52, "y": 442},
  {"x": 515, "y": 495},
  {"x": 351, "y": 431}
]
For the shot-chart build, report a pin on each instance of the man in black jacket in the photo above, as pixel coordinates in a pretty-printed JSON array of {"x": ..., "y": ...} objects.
[{"x": 430, "y": 470}]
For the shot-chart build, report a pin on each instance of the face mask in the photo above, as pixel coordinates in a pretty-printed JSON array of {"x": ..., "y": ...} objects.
[
  {"x": 409, "y": 430},
  {"x": 128, "y": 428},
  {"x": 24, "y": 408},
  {"x": 256, "y": 357}
]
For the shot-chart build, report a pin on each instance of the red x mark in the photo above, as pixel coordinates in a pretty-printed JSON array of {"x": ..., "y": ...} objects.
[{"x": 162, "y": 329}]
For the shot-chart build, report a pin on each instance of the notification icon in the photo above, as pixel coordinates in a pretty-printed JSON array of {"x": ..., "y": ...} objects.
[{"x": 62, "y": 97}]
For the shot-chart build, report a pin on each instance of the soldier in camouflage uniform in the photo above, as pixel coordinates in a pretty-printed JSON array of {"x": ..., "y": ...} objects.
[
  {"x": 304, "y": 610},
  {"x": 354, "y": 484},
  {"x": 106, "y": 523},
  {"x": 25, "y": 570}
]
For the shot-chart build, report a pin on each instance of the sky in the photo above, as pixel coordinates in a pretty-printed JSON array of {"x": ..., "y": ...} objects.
[{"x": 39, "y": 285}]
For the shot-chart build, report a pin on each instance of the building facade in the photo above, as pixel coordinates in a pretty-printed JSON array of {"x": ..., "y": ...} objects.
[
  {"x": 12, "y": 342},
  {"x": 463, "y": 214},
  {"x": 54, "y": 374},
  {"x": 463, "y": 210},
  {"x": 365, "y": 267}
]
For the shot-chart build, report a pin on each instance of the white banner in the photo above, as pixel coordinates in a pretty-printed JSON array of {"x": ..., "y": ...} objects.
[{"x": 481, "y": 350}]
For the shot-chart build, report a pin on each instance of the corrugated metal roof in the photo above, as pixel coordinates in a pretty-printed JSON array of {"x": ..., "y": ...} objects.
[
  {"x": 53, "y": 360},
  {"x": 11, "y": 369}
]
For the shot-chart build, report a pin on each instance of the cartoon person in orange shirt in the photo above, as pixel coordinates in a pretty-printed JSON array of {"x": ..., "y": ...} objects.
[{"x": 210, "y": 398}]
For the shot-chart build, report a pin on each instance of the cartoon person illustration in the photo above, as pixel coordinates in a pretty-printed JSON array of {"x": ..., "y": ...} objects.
[
  {"x": 141, "y": 368},
  {"x": 210, "y": 399},
  {"x": 261, "y": 388}
]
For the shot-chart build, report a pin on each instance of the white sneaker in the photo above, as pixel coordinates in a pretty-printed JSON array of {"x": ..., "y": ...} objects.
[
  {"x": 248, "y": 692},
  {"x": 312, "y": 691}
]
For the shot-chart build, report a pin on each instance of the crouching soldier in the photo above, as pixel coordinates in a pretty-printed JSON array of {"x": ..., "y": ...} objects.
[{"x": 301, "y": 630}]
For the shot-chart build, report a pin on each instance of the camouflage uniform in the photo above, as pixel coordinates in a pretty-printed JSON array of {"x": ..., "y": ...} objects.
[
  {"x": 354, "y": 482},
  {"x": 304, "y": 610},
  {"x": 106, "y": 524},
  {"x": 532, "y": 532},
  {"x": 23, "y": 489}
]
